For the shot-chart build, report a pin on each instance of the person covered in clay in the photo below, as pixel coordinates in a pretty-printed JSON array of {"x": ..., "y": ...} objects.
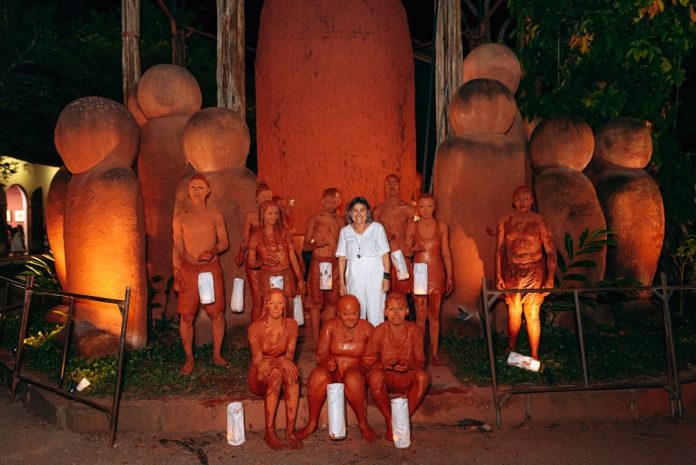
[
  {"x": 272, "y": 340},
  {"x": 395, "y": 215},
  {"x": 342, "y": 357},
  {"x": 524, "y": 237},
  {"x": 200, "y": 236},
  {"x": 427, "y": 241},
  {"x": 398, "y": 345},
  {"x": 363, "y": 260},
  {"x": 321, "y": 239},
  {"x": 271, "y": 250}
]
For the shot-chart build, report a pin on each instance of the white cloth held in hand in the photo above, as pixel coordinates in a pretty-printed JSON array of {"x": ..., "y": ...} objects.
[{"x": 399, "y": 262}]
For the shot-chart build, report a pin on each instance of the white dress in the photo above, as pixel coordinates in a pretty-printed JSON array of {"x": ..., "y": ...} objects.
[{"x": 364, "y": 268}]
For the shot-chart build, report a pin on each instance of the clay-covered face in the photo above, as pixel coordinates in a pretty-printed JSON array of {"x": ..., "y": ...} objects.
[
  {"x": 276, "y": 305},
  {"x": 392, "y": 186},
  {"x": 331, "y": 202},
  {"x": 426, "y": 208},
  {"x": 198, "y": 190},
  {"x": 270, "y": 216},
  {"x": 396, "y": 312},
  {"x": 522, "y": 201},
  {"x": 359, "y": 213},
  {"x": 263, "y": 196},
  {"x": 349, "y": 312}
]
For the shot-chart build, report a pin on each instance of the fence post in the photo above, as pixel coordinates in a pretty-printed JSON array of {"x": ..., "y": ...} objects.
[{"x": 22, "y": 334}]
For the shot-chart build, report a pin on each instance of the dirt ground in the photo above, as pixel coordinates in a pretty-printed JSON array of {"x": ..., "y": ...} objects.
[{"x": 26, "y": 439}]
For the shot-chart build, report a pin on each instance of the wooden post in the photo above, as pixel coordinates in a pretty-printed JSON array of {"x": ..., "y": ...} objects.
[
  {"x": 448, "y": 62},
  {"x": 178, "y": 38},
  {"x": 130, "y": 49},
  {"x": 230, "y": 55}
]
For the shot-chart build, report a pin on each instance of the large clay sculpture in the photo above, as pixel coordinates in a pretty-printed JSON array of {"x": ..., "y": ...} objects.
[{"x": 55, "y": 221}]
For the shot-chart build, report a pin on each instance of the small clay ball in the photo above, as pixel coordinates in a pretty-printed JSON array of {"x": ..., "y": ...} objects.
[
  {"x": 493, "y": 61},
  {"x": 90, "y": 128},
  {"x": 482, "y": 106},
  {"x": 624, "y": 142},
  {"x": 216, "y": 139},
  {"x": 166, "y": 90},
  {"x": 562, "y": 141}
]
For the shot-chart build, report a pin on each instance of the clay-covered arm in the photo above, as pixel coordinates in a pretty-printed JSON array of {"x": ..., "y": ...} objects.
[
  {"x": 446, "y": 255},
  {"x": 418, "y": 360},
  {"x": 342, "y": 275},
  {"x": 178, "y": 254},
  {"x": 252, "y": 254},
  {"x": 294, "y": 262},
  {"x": 221, "y": 243},
  {"x": 408, "y": 241},
  {"x": 370, "y": 357},
  {"x": 550, "y": 250},
  {"x": 246, "y": 232},
  {"x": 499, "y": 251},
  {"x": 309, "y": 244},
  {"x": 386, "y": 264},
  {"x": 256, "y": 348},
  {"x": 323, "y": 346}
]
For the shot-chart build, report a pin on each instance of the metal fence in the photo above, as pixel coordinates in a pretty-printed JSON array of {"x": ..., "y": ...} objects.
[
  {"x": 670, "y": 383},
  {"x": 110, "y": 409}
]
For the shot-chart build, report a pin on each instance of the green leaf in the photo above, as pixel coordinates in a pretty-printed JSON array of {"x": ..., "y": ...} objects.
[
  {"x": 568, "y": 240},
  {"x": 583, "y": 238},
  {"x": 583, "y": 264},
  {"x": 560, "y": 262},
  {"x": 574, "y": 277}
]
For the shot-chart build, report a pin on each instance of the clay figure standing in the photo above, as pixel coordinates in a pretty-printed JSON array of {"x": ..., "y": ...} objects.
[
  {"x": 272, "y": 340},
  {"x": 395, "y": 215},
  {"x": 199, "y": 237},
  {"x": 321, "y": 239},
  {"x": 342, "y": 357},
  {"x": 271, "y": 250},
  {"x": 523, "y": 239},
  {"x": 398, "y": 345},
  {"x": 428, "y": 242},
  {"x": 363, "y": 260}
]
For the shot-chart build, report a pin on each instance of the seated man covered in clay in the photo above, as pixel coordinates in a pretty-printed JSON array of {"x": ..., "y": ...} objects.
[
  {"x": 272, "y": 339},
  {"x": 398, "y": 345},
  {"x": 342, "y": 357}
]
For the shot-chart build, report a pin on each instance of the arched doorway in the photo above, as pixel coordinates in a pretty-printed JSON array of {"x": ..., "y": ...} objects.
[
  {"x": 36, "y": 223},
  {"x": 17, "y": 209}
]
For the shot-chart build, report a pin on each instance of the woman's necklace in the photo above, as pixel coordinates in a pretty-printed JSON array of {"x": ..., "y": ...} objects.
[{"x": 358, "y": 242}]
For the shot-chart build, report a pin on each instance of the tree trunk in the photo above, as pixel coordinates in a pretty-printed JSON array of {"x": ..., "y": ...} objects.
[
  {"x": 130, "y": 49},
  {"x": 230, "y": 55},
  {"x": 448, "y": 62},
  {"x": 178, "y": 38}
]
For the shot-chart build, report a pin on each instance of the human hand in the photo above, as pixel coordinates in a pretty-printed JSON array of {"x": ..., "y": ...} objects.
[
  {"x": 418, "y": 247},
  {"x": 274, "y": 375},
  {"x": 448, "y": 287},
  {"x": 239, "y": 259},
  {"x": 179, "y": 282},
  {"x": 391, "y": 237},
  {"x": 341, "y": 288},
  {"x": 207, "y": 255},
  {"x": 400, "y": 367},
  {"x": 331, "y": 365},
  {"x": 499, "y": 283},
  {"x": 301, "y": 287},
  {"x": 369, "y": 360},
  {"x": 271, "y": 262},
  {"x": 385, "y": 285},
  {"x": 290, "y": 368}
]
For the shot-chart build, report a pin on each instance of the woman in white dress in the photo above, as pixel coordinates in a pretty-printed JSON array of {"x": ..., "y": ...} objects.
[{"x": 363, "y": 260}]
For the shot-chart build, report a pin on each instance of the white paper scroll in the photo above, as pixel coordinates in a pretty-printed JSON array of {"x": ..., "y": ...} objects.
[
  {"x": 399, "y": 263},
  {"x": 237, "y": 300},
  {"x": 401, "y": 423},
  {"x": 206, "y": 288},
  {"x": 523, "y": 361},
  {"x": 235, "y": 424},
  {"x": 298, "y": 310},
  {"x": 276, "y": 282},
  {"x": 420, "y": 279},
  {"x": 325, "y": 276},
  {"x": 337, "y": 410}
]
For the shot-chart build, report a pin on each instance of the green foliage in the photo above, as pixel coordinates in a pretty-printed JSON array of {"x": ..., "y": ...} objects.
[
  {"x": 43, "y": 268},
  {"x": 599, "y": 62}
]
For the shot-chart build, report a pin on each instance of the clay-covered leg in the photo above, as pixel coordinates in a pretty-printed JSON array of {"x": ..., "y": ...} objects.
[
  {"x": 186, "y": 333},
  {"x": 292, "y": 398},
  {"x": 531, "y": 316},
  {"x": 356, "y": 394},
  {"x": 417, "y": 389},
  {"x": 380, "y": 396},
  {"x": 314, "y": 318},
  {"x": 434, "y": 301},
  {"x": 316, "y": 396},
  {"x": 421, "y": 304},
  {"x": 514, "y": 304},
  {"x": 217, "y": 321},
  {"x": 270, "y": 405}
]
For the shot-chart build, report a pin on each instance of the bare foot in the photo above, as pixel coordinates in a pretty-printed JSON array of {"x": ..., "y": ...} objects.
[
  {"x": 187, "y": 369},
  {"x": 367, "y": 433},
  {"x": 306, "y": 431},
  {"x": 272, "y": 440},
  {"x": 294, "y": 441},
  {"x": 221, "y": 362}
]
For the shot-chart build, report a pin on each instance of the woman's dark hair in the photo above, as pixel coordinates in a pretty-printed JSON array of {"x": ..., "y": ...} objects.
[{"x": 352, "y": 203}]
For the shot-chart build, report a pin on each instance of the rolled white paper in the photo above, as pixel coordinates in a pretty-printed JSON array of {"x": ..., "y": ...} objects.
[
  {"x": 276, "y": 282},
  {"x": 399, "y": 263},
  {"x": 235, "y": 424},
  {"x": 82, "y": 385},
  {"x": 337, "y": 410},
  {"x": 206, "y": 288},
  {"x": 237, "y": 300},
  {"x": 523, "y": 361},
  {"x": 325, "y": 276},
  {"x": 297, "y": 310},
  {"x": 401, "y": 423},
  {"x": 420, "y": 279}
]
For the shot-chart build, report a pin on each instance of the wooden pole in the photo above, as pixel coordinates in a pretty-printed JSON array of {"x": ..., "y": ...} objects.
[
  {"x": 178, "y": 41},
  {"x": 230, "y": 55},
  {"x": 130, "y": 48},
  {"x": 448, "y": 62}
]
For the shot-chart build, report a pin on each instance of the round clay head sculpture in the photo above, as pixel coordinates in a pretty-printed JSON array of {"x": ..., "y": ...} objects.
[
  {"x": 564, "y": 141},
  {"x": 216, "y": 139},
  {"x": 167, "y": 90},
  {"x": 493, "y": 61},
  {"x": 482, "y": 106},
  {"x": 358, "y": 211},
  {"x": 624, "y": 142},
  {"x": 91, "y": 128},
  {"x": 349, "y": 310}
]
